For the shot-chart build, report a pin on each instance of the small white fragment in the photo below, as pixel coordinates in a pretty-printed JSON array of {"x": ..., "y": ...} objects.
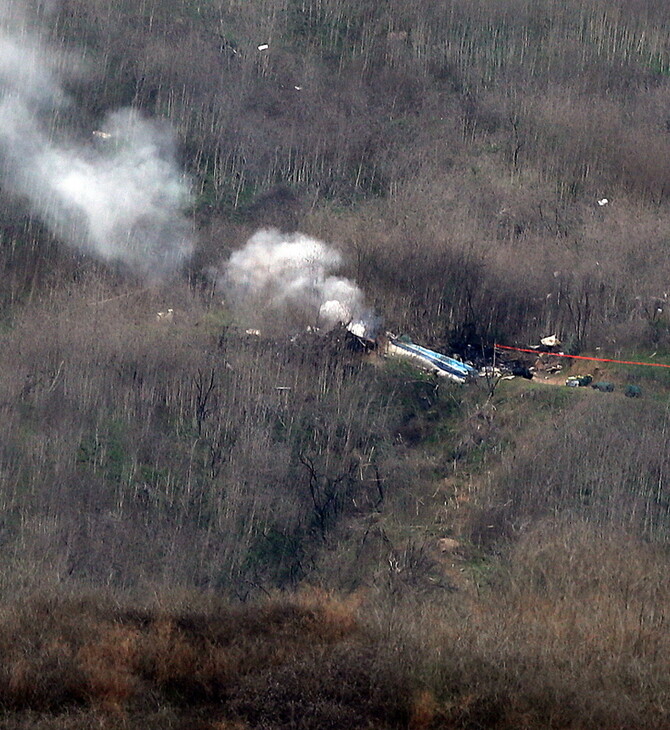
[
  {"x": 165, "y": 316},
  {"x": 263, "y": 47},
  {"x": 298, "y": 88},
  {"x": 603, "y": 201},
  {"x": 101, "y": 135}
]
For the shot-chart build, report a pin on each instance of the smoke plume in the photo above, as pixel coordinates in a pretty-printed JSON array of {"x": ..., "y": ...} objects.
[
  {"x": 285, "y": 282},
  {"x": 118, "y": 195}
]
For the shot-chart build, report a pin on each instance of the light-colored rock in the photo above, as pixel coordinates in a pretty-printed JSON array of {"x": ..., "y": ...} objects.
[{"x": 448, "y": 544}]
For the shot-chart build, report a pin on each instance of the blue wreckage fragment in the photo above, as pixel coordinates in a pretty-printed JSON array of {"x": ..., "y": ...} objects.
[{"x": 435, "y": 361}]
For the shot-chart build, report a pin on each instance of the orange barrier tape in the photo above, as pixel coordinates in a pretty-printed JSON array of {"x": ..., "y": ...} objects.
[{"x": 583, "y": 357}]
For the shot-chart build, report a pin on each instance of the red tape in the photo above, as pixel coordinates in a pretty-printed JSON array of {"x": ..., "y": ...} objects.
[{"x": 582, "y": 357}]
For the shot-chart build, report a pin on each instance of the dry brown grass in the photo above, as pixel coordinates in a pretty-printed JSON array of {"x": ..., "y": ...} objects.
[
  {"x": 109, "y": 664},
  {"x": 66, "y": 659},
  {"x": 567, "y": 631}
]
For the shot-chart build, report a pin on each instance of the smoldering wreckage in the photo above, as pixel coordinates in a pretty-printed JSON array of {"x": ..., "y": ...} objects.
[
  {"x": 492, "y": 364},
  {"x": 122, "y": 198},
  {"x": 437, "y": 364},
  {"x": 286, "y": 285}
]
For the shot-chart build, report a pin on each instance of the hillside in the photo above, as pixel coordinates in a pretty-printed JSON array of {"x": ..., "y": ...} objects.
[{"x": 218, "y": 509}]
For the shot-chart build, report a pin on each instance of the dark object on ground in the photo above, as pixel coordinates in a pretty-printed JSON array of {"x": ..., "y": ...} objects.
[
  {"x": 633, "y": 391},
  {"x": 521, "y": 371},
  {"x": 468, "y": 343},
  {"x": 603, "y": 386},
  {"x": 520, "y": 367},
  {"x": 579, "y": 381}
]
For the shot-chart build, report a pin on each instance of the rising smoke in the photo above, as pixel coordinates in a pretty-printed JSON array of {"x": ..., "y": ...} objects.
[
  {"x": 119, "y": 195},
  {"x": 282, "y": 282}
]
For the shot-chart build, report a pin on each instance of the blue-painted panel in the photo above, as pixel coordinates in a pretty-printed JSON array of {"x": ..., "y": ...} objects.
[{"x": 441, "y": 362}]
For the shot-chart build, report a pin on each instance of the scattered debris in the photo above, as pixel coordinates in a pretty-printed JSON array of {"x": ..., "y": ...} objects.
[
  {"x": 358, "y": 329},
  {"x": 579, "y": 381},
  {"x": 252, "y": 332},
  {"x": 102, "y": 135},
  {"x": 549, "y": 345},
  {"x": 490, "y": 371}
]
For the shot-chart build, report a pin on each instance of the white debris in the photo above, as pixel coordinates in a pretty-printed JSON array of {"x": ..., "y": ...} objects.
[
  {"x": 298, "y": 88},
  {"x": 489, "y": 371},
  {"x": 551, "y": 341},
  {"x": 253, "y": 332},
  {"x": 357, "y": 328},
  {"x": 101, "y": 135},
  {"x": 165, "y": 316},
  {"x": 603, "y": 201},
  {"x": 263, "y": 47}
]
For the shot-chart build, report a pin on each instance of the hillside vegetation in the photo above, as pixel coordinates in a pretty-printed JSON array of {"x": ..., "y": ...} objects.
[{"x": 206, "y": 528}]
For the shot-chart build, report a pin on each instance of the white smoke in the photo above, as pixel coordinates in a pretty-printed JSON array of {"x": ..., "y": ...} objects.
[
  {"x": 119, "y": 195},
  {"x": 285, "y": 281}
]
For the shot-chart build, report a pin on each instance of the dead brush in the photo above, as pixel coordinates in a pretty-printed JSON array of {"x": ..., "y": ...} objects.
[
  {"x": 201, "y": 657},
  {"x": 171, "y": 654},
  {"x": 333, "y": 617},
  {"x": 183, "y": 665},
  {"x": 109, "y": 664},
  {"x": 220, "y": 666},
  {"x": 424, "y": 711}
]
